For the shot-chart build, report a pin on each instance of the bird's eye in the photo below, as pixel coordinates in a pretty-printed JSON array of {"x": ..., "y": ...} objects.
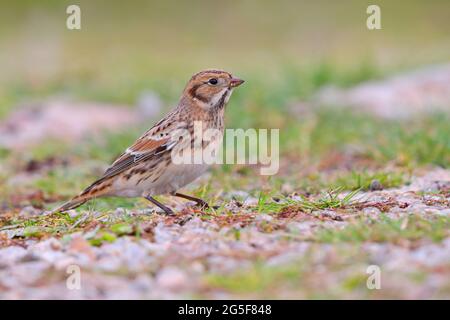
[{"x": 213, "y": 81}]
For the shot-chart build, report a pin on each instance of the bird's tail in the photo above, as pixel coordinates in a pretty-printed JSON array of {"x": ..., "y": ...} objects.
[
  {"x": 97, "y": 189},
  {"x": 75, "y": 202}
]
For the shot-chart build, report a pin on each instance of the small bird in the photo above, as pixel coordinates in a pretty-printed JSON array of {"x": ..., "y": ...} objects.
[{"x": 147, "y": 168}]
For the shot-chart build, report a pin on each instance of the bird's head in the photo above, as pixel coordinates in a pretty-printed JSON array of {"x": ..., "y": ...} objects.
[{"x": 211, "y": 88}]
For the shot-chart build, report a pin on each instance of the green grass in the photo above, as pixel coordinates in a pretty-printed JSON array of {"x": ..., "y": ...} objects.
[
  {"x": 411, "y": 228},
  {"x": 102, "y": 228},
  {"x": 331, "y": 199},
  {"x": 103, "y": 237},
  {"x": 260, "y": 279},
  {"x": 411, "y": 143},
  {"x": 362, "y": 180}
]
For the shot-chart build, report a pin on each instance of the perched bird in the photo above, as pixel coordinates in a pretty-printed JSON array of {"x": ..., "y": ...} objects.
[{"x": 147, "y": 168}]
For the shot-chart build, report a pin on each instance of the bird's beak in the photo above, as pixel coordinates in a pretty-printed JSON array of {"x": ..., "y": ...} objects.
[{"x": 235, "y": 82}]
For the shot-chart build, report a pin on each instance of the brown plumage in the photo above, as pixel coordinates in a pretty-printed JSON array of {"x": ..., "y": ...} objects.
[{"x": 147, "y": 168}]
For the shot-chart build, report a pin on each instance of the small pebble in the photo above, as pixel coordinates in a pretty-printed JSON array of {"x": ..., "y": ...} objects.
[
  {"x": 171, "y": 278},
  {"x": 375, "y": 185}
]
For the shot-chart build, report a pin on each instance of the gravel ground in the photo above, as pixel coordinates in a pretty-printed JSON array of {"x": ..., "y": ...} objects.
[{"x": 184, "y": 257}]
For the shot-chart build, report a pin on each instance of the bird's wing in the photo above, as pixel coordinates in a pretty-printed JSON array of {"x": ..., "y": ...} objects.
[
  {"x": 155, "y": 141},
  {"x": 144, "y": 148}
]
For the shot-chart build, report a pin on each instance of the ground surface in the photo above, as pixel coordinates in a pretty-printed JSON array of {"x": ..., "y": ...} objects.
[
  {"x": 311, "y": 231},
  {"x": 287, "y": 252}
]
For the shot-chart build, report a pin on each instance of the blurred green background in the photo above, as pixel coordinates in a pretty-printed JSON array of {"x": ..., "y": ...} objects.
[{"x": 288, "y": 47}]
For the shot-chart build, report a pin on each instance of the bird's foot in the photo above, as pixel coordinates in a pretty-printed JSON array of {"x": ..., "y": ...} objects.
[
  {"x": 202, "y": 204},
  {"x": 164, "y": 208}
]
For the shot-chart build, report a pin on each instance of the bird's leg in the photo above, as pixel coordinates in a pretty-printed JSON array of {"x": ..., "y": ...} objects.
[
  {"x": 201, "y": 203},
  {"x": 167, "y": 210}
]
